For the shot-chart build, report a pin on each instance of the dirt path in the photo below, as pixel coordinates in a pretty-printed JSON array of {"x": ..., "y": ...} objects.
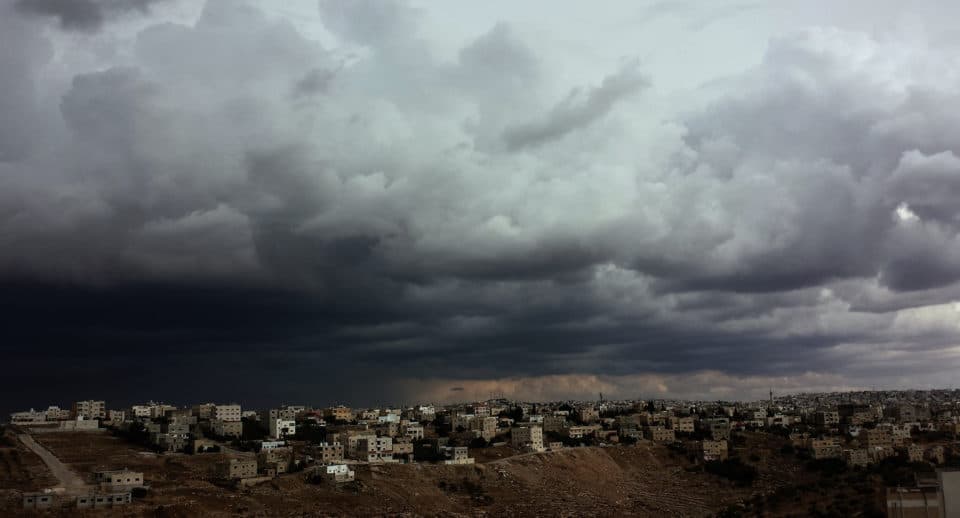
[{"x": 71, "y": 482}]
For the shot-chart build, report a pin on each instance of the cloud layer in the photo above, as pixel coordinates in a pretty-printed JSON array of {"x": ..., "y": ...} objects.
[{"x": 230, "y": 189}]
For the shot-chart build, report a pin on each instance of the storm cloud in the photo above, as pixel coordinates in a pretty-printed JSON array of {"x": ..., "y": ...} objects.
[{"x": 230, "y": 188}]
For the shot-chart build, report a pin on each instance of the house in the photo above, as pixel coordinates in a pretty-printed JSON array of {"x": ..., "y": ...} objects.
[
  {"x": 826, "y": 418},
  {"x": 825, "y": 448},
  {"x": 236, "y": 469},
  {"x": 118, "y": 479},
  {"x": 338, "y": 413},
  {"x": 877, "y": 438},
  {"x": 554, "y": 423},
  {"x": 275, "y": 460},
  {"x": 588, "y": 415},
  {"x": 412, "y": 430},
  {"x": 856, "y": 457},
  {"x": 659, "y": 434},
  {"x": 375, "y": 449},
  {"x": 914, "y": 453},
  {"x": 329, "y": 453},
  {"x": 456, "y": 455},
  {"x": 714, "y": 450},
  {"x": 681, "y": 424},
  {"x": 338, "y": 473},
  {"x": 281, "y": 428},
  {"x": 527, "y": 438},
  {"x": 38, "y": 500},
  {"x": 103, "y": 500}
]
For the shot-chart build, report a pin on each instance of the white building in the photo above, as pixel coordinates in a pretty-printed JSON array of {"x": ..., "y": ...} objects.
[{"x": 282, "y": 428}]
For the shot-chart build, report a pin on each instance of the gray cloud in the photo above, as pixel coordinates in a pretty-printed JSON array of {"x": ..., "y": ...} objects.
[
  {"x": 83, "y": 15},
  {"x": 578, "y": 109},
  {"x": 428, "y": 215}
]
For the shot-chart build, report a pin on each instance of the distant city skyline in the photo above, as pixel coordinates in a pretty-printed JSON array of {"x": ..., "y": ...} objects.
[{"x": 346, "y": 200}]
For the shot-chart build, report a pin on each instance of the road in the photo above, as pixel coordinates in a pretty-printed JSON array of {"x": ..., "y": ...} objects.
[{"x": 71, "y": 482}]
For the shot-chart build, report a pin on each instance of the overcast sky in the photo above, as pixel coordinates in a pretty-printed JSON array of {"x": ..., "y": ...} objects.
[{"x": 382, "y": 201}]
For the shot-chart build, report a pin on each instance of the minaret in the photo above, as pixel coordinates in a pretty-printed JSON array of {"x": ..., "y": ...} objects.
[{"x": 771, "y": 397}]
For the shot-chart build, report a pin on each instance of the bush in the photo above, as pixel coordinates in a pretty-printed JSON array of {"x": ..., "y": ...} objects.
[{"x": 733, "y": 469}]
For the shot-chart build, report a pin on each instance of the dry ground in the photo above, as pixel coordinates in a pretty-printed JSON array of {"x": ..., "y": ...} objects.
[{"x": 643, "y": 480}]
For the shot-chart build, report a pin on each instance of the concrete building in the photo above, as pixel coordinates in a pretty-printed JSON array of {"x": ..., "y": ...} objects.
[
  {"x": 527, "y": 438},
  {"x": 228, "y": 413},
  {"x": 116, "y": 417},
  {"x": 484, "y": 427},
  {"x": 681, "y": 424},
  {"x": 588, "y": 415},
  {"x": 28, "y": 417},
  {"x": 554, "y": 423},
  {"x": 825, "y": 448},
  {"x": 275, "y": 461},
  {"x": 90, "y": 410},
  {"x": 659, "y": 434},
  {"x": 375, "y": 449},
  {"x": 282, "y": 428},
  {"x": 920, "y": 502},
  {"x": 457, "y": 455},
  {"x": 55, "y": 413},
  {"x": 412, "y": 430},
  {"x": 914, "y": 453},
  {"x": 226, "y": 428},
  {"x": 876, "y": 438},
  {"x": 714, "y": 450},
  {"x": 949, "y": 481},
  {"x": 120, "y": 479},
  {"x": 328, "y": 453},
  {"x": 826, "y": 418},
  {"x": 338, "y": 413},
  {"x": 339, "y": 473},
  {"x": 235, "y": 469},
  {"x": 37, "y": 500},
  {"x": 103, "y": 500},
  {"x": 856, "y": 457}
]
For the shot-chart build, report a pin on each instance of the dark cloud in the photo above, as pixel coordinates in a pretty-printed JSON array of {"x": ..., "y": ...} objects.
[
  {"x": 83, "y": 15},
  {"x": 232, "y": 193}
]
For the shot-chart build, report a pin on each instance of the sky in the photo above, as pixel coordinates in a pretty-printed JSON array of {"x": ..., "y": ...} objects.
[{"x": 388, "y": 201}]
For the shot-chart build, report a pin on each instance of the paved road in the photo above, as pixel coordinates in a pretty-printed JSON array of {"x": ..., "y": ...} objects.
[{"x": 71, "y": 482}]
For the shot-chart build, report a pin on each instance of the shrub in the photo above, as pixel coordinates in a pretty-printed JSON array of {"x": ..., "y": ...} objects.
[{"x": 733, "y": 469}]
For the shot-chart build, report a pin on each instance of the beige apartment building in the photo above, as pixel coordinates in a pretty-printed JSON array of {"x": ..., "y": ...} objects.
[
  {"x": 527, "y": 438},
  {"x": 226, "y": 428},
  {"x": 238, "y": 469},
  {"x": 714, "y": 450},
  {"x": 659, "y": 434},
  {"x": 856, "y": 457},
  {"x": 876, "y": 438},
  {"x": 90, "y": 410},
  {"x": 228, "y": 413}
]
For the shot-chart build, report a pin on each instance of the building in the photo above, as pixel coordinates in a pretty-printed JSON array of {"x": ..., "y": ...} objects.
[
  {"x": 338, "y": 413},
  {"x": 484, "y": 427},
  {"x": 28, "y": 417},
  {"x": 90, "y": 410},
  {"x": 116, "y": 416},
  {"x": 681, "y": 424},
  {"x": 275, "y": 461},
  {"x": 527, "y": 438},
  {"x": 920, "y": 502},
  {"x": 825, "y": 448},
  {"x": 204, "y": 410},
  {"x": 375, "y": 449},
  {"x": 914, "y": 453},
  {"x": 329, "y": 453},
  {"x": 456, "y": 455},
  {"x": 579, "y": 432},
  {"x": 236, "y": 469},
  {"x": 118, "y": 479},
  {"x": 856, "y": 457},
  {"x": 714, "y": 450},
  {"x": 226, "y": 428},
  {"x": 338, "y": 473},
  {"x": 37, "y": 500},
  {"x": 937, "y": 455},
  {"x": 554, "y": 423},
  {"x": 588, "y": 415},
  {"x": 826, "y": 418},
  {"x": 281, "y": 428},
  {"x": 55, "y": 413},
  {"x": 412, "y": 430},
  {"x": 103, "y": 500},
  {"x": 877, "y": 438},
  {"x": 949, "y": 481},
  {"x": 659, "y": 434},
  {"x": 226, "y": 413}
]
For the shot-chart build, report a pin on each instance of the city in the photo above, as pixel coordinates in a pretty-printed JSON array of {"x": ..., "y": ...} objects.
[{"x": 875, "y": 453}]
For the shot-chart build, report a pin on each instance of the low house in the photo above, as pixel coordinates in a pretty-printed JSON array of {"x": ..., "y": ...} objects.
[
  {"x": 38, "y": 500},
  {"x": 118, "y": 479},
  {"x": 103, "y": 500},
  {"x": 456, "y": 455},
  {"x": 235, "y": 469}
]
